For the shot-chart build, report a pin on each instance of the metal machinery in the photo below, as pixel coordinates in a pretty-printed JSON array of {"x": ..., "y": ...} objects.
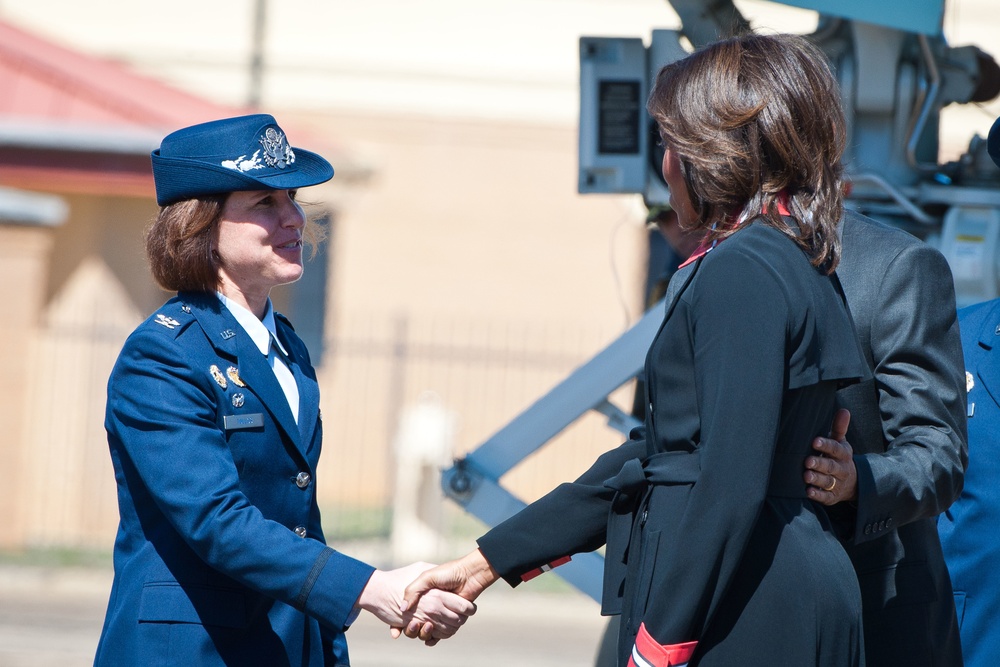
[{"x": 896, "y": 74}]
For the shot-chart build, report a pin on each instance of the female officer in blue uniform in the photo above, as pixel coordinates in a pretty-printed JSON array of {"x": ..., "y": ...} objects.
[
  {"x": 715, "y": 553},
  {"x": 214, "y": 430}
]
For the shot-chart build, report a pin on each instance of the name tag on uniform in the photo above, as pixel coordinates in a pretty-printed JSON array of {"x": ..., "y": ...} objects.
[{"x": 234, "y": 422}]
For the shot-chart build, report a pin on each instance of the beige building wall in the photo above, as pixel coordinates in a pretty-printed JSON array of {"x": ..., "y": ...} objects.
[
  {"x": 469, "y": 235},
  {"x": 463, "y": 265},
  {"x": 24, "y": 257},
  {"x": 87, "y": 285}
]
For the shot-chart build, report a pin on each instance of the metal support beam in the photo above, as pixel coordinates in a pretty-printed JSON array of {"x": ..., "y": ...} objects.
[
  {"x": 705, "y": 21},
  {"x": 474, "y": 481}
]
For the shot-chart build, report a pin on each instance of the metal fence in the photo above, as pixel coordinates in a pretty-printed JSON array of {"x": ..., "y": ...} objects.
[
  {"x": 377, "y": 371},
  {"x": 471, "y": 376}
]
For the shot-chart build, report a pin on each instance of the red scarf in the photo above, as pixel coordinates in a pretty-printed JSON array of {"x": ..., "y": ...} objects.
[{"x": 706, "y": 246}]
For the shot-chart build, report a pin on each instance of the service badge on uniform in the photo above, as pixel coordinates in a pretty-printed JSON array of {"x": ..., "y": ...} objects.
[
  {"x": 238, "y": 400},
  {"x": 217, "y": 375},
  {"x": 969, "y": 382},
  {"x": 233, "y": 374}
]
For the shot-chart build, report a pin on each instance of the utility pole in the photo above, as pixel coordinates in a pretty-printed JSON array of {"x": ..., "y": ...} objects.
[{"x": 257, "y": 54}]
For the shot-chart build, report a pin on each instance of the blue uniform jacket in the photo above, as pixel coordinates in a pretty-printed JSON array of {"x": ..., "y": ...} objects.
[
  {"x": 220, "y": 557},
  {"x": 969, "y": 528}
]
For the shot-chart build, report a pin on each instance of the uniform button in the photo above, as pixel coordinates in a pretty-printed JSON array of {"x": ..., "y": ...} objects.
[
  {"x": 888, "y": 523},
  {"x": 881, "y": 525},
  {"x": 300, "y": 531},
  {"x": 302, "y": 480},
  {"x": 868, "y": 529}
]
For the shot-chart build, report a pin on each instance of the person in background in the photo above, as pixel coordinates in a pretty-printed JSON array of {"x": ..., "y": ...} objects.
[
  {"x": 898, "y": 449},
  {"x": 715, "y": 553},
  {"x": 681, "y": 243},
  {"x": 968, "y": 529},
  {"x": 214, "y": 430}
]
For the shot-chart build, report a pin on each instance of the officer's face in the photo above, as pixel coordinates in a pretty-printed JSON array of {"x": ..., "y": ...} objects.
[{"x": 259, "y": 243}]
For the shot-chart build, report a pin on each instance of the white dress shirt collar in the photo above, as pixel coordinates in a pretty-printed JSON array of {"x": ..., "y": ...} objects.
[{"x": 260, "y": 331}]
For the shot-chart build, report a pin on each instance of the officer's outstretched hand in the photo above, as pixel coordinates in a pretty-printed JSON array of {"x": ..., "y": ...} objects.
[
  {"x": 467, "y": 577},
  {"x": 436, "y": 616}
]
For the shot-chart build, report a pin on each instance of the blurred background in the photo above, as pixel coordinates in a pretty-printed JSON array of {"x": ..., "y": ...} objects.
[{"x": 464, "y": 275}]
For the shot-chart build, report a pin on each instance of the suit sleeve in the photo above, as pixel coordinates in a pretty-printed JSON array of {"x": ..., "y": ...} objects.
[
  {"x": 739, "y": 381},
  {"x": 917, "y": 352},
  {"x": 161, "y": 419},
  {"x": 570, "y": 519}
]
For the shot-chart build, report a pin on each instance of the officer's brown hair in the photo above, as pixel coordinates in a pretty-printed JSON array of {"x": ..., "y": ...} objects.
[
  {"x": 755, "y": 119},
  {"x": 179, "y": 245}
]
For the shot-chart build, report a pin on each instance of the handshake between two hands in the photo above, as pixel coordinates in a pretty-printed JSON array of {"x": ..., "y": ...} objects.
[
  {"x": 431, "y": 603},
  {"x": 435, "y": 602}
]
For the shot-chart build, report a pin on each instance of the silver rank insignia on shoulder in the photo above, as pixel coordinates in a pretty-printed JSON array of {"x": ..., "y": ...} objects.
[
  {"x": 237, "y": 400},
  {"x": 227, "y": 334},
  {"x": 233, "y": 374},
  {"x": 186, "y": 308},
  {"x": 168, "y": 322},
  {"x": 969, "y": 384},
  {"x": 217, "y": 375}
]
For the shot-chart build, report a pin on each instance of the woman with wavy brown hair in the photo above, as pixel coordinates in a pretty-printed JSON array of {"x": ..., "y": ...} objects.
[{"x": 715, "y": 553}]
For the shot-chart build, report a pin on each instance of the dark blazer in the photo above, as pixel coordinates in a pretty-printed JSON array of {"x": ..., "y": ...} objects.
[
  {"x": 220, "y": 557},
  {"x": 968, "y": 529},
  {"x": 729, "y": 551},
  {"x": 908, "y": 430},
  {"x": 901, "y": 296}
]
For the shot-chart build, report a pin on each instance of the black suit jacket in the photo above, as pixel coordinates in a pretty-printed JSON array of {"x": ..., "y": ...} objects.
[{"x": 908, "y": 430}]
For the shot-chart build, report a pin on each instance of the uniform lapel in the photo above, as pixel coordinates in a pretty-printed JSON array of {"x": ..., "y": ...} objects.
[
  {"x": 232, "y": 341},
  {"x": 308, "y": 390},
  {"x": 259, "y": 377},
  {"x": 988, "y": 365},
  {"x": 308, "y": 406}
]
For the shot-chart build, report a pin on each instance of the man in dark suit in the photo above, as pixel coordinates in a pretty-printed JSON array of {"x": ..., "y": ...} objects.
[
  {"x": 968, "y": 528},
  {"x": 906, "y": 459}
]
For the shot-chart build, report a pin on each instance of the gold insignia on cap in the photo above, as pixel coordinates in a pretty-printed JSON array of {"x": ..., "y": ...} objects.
[
  {"x": 217, "y": 375},
  {"x": 969, "y": 382},
  {"x": 233, "y": 374}
]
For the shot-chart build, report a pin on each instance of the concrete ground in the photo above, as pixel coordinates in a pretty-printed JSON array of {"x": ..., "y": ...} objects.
[{"x": 52, "y": 616}]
